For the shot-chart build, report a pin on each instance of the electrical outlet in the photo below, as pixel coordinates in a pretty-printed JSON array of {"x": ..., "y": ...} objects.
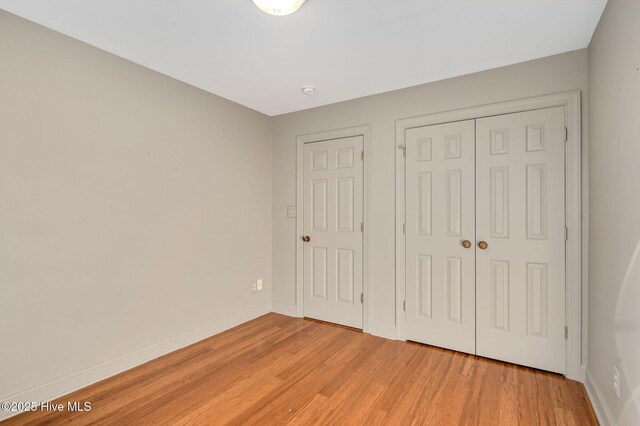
[
  {"x": 616, "y": 380},
  {"x": 291, "y": 211},
  {"x": 254, "y": 287},
  {"x": 259, "y": 285}
]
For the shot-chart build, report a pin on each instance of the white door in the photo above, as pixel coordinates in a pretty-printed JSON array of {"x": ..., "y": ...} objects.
[
  {"x": 333, "y": 209},
  {"x": 440, "y": 217},
  {"x": 520, "y": 215}
]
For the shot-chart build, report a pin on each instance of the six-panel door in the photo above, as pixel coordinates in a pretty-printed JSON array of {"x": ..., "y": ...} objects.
[
  {"x": 440, "y": 216},
  {"x": 333, "y": 215},
  {"x": 521, "y": 215},
  {"x": 495, "y": 185}
]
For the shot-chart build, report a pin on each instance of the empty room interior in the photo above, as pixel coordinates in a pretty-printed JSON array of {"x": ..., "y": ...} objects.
[{"x": 363, "y": 212}]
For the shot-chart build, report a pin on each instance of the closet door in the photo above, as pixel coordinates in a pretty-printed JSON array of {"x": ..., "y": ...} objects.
[
  {"x": 440, "y": 235},
  {"x": 521, "y": 238}
]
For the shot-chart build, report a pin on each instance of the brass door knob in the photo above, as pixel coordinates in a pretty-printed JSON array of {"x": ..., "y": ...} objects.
[
  {"x": 466, "y": 244},
  {"x": 306, "y": 238},
  {"x": 483, "y": 245}
]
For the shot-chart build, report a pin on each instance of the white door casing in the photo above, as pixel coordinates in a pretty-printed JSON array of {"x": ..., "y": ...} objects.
[
  {"x": 440, "y": 215},
  {"x": 332, "y": 219},
  {"x": 520, "y": 213}
]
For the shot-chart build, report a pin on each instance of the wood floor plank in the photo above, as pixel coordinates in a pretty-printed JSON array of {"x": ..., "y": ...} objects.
[{"x": 280, "y": 370}]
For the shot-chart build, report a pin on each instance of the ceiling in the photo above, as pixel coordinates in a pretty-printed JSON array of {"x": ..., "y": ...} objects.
[{"x": 345, "y": 48}]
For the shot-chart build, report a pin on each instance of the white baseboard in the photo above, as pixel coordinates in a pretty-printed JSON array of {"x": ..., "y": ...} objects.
[
  {"x": 281, "y": 308},
  {"x": 72, "y": 382},
  {"x": 597, "y": 401},
  {"x": 383, "y": 330}
]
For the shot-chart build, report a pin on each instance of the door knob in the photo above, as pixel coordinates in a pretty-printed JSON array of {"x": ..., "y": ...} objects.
[
  {"x": 483, "y": 245},
  {"x": 466, "y": 244},
  {"x": 306, "y": 238}
]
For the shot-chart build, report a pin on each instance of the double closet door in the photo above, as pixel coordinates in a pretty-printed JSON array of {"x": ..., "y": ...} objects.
[{"x": 485, "y": 237}]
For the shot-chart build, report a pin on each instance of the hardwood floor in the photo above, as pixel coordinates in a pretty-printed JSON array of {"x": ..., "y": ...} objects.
[{"x": 281, "y": 370}]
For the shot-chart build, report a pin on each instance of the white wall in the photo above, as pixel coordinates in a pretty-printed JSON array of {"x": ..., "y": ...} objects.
[
  {"x": 550, "y": 75},
  {"x": 133, "y": 209},
  {"x": 614, "y": 210}
]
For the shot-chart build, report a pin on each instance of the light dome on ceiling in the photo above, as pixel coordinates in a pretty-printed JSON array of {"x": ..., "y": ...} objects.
[{"x": 278, "y": 7}]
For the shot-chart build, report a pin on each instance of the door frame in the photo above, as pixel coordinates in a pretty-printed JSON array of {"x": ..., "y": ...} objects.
[
  {"x": 365, "y": 132},
  {"x": 573, "y": 207}
]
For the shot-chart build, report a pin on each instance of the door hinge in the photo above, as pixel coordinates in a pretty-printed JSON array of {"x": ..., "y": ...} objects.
[
  {"x": 404, "y": 150},
  {"x": 566, "y": 233},
  {"x": 361, "y": 297},
  {"x": 404, "y": 305},
  {"x": 404, "y": 228},
  {"x": 361, "y": 226},
  {"x": 566, "y": 332},
  {"x": 362, "y": 155},
  {"x": 566, "y": 134}
]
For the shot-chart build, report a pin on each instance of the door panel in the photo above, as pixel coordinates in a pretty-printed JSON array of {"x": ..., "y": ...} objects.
[
  {"x": 520, "y": 214},
  {"x": 440, "y": 215},
  {"x": 333, "y": 211}
]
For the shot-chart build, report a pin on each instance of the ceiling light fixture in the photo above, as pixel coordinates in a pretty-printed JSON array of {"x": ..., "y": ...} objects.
[{"x": 278, "y": 7}]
